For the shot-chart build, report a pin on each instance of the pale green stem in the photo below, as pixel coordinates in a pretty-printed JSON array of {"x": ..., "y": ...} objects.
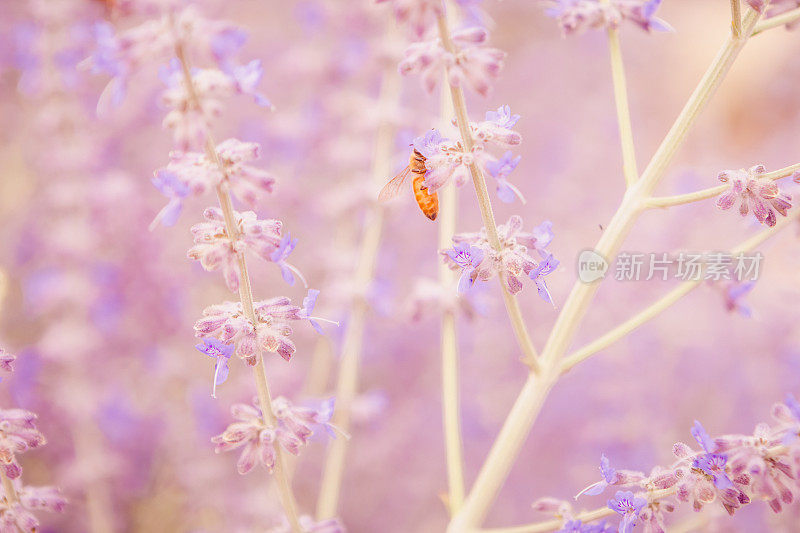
[
  {"x": 530, "y": 356},
  {"x": 629, "y": 169},
  {"x": 246, "y": 297},
  {"x": 586, "y": 517},
  {"x": 664, "y": 303},
  {"x": 520, "y": 419},
  {"x": 680, "y": 199},
  {"x": 352, "y": 346},
  {"x": 778, "y": 20},
  {"x": 736, "y": 18},
  {"x": 451, "y": 416}
]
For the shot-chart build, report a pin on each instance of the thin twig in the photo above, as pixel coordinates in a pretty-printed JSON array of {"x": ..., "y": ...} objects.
[
  {"x": 629, "y": 169},
  {"x": 779, "y": 20},
  {"x": 704, "y": 194},
  {"x": 662, "y": 304}
]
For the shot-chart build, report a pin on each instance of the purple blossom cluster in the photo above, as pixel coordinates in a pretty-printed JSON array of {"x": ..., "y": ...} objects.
[
  {"x": 576, "y": 16},
  {"x": 478, "y": 260},
  {"x": 228, "y": 323},
  {"x": 121, "y": 54},
  {"x": 18, "y": 434},
  {"x": 216, "y": 250},
  {"x": 18, "y": 515},
  {"x": 448, "y": 161},
  {"x": 193, "y": 173},
  {"x": 471, "y": 64},
  {"x": 291, "y": 430},
  {"x": 190, "y": 122},
  {"x": 755, "y": 193},
  {"x": 731, "y": 470}
]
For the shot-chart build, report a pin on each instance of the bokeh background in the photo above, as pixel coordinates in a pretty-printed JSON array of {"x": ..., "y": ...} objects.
[{"x": 100, "y": 310}]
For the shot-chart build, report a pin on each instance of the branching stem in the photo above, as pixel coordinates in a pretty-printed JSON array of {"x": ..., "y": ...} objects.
[{"x": 536, "y": 389}]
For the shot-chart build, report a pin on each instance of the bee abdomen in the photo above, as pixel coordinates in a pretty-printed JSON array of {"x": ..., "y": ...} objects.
[{"x": 427, "y": 202}]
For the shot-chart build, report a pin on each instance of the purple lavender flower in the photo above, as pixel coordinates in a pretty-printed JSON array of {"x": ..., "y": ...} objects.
[
  {"x": 428, "y": 144},
  {"x": 280, "y": 254},
  {"x": 545, "y": 267},
  {"x": 173, "y": 188},
  {"x": 468, "y": 258},
  {"x": 222, "y": 353},
  {"x": 496, "y": 128},
  {"x": 542, "y": 237},
  {"x": 609, "y": 478},
  {"x": 713, "y": 464},
  {"x": 502, "y": 117},
  {"x": 628, "y": 505},
  {"x": 499, "y": 170},
  {"x": 246, "y": 78},
  {"x": 703, "y": 438},
  {"x": 308, "y": 307}
]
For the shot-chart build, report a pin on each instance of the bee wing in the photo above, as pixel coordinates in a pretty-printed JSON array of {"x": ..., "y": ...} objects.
[{"x": 395, "y": 186}]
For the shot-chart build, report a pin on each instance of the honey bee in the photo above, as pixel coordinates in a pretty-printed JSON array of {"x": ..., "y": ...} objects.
[{"x": 428, "y": 202}]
